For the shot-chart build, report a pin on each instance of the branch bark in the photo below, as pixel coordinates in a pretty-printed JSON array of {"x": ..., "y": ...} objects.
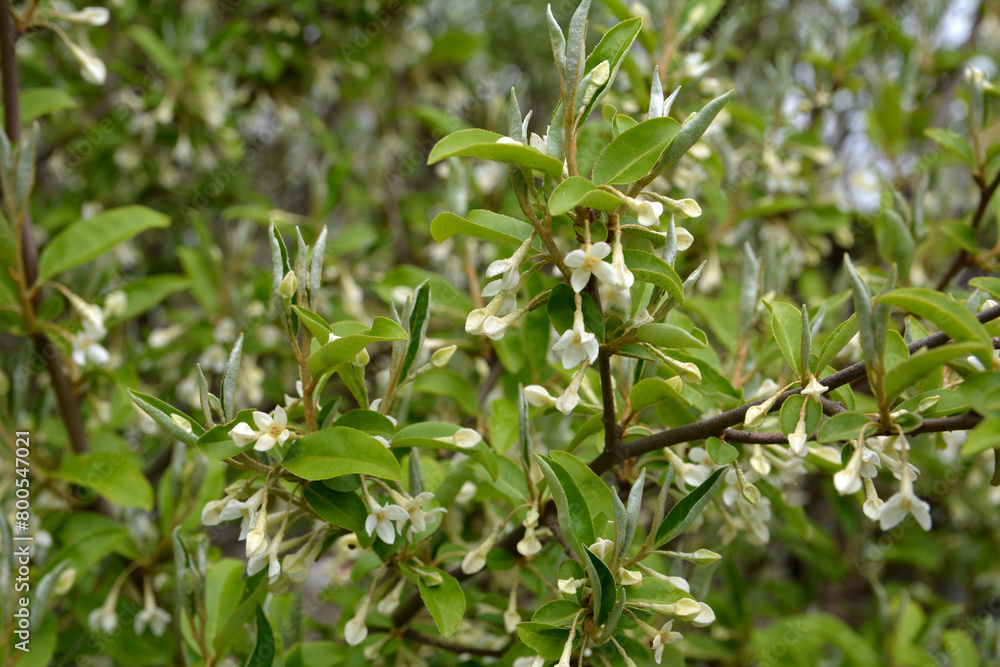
[{"x": 69, "y": 407}]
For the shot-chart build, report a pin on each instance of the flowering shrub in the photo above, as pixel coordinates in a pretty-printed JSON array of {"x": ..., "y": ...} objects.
[{"x": 638, "y": 407}]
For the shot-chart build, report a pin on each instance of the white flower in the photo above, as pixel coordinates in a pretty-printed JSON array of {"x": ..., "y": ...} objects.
[
  {"x": 151, "y": 616},
  {"x": 105, "y": 618},
  {"x": 571, "y": 397},
  {"x": 623, "y": 276},
  {"x": 388, "y": 604},
  {"x": 684, "y": 238},
  {"x": 257, "y": 538},
  {"x": 602, "y": 547},
  {"x": 92, "y": 68},
  {"x": 508, "y": 140},
  {"x": 706, "y": 617},
  {"x": 417, "y": 515},
  {"x": 115, "y": 304},
  {"x": 814, "y": 389},
  {"x": 256, "y": 563},
  {"x": 475, "y": 560},
  {"x": 381, "y": 518},
  {"x": 211, "y": 514},
  {"x": 629, "y": 577},
  {"x": 246, "y": 510},
  {"x": 465, "y": 438},
  {"x": 538, "y": 396},
  {"x": 86, "y": 345},
  {"x": 530, "y": 661},
  {"x": 576, "y": 345},
  {"x": 96, "y": 16},
  {"x": 585, "y": 262},
  {"x": 355, "y": 630},
  {"x": 243, "y": 435},
  {"x": 289, "y": 400},
  {"x": 529, "y": 544},
  {"x": 569, "y": 586},
  {"x": 873, "y": 504},
  {"x": 299, "y": 564},
  {"x": 665, "y": 636},
  {"x": 904, "y": 502},
  {"x": 273, "y": 430},
  {"x": 647, "y": 212}
]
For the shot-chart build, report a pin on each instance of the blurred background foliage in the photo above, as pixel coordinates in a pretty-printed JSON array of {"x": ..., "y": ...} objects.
[{"x": 225, "y": 115}]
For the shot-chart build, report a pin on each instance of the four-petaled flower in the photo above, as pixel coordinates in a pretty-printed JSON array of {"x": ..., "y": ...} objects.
[
  {"x": 904, "y": 502},
  {"x": 577, "y": 344},
  {"x": 665, "y": 636},
  {"x": 151, "y": 616},
  {"x": 585, "y": 262},
  {"x": 417, "y": 515},
  {"x": 381, "y": 518},
  {"x": 273, "y": 430}
]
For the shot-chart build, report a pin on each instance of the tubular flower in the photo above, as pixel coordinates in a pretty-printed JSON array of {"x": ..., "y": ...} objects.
[
  {"x": 647, "y": 212},
  {"x": 904, "y": 502}
]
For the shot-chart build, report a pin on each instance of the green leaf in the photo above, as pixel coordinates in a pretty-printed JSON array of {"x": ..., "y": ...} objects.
[
  {"x": 635, "y": 151},
  {"x": 562, "y": 306},
  {"x": 604, "y": 590},
  {"x": 613, "y": 47},
  {"x": 84, "y": 240},
  {"x": 341, "y": 508},
  {"x": 556, "y": 612},
  {"x": 111, "y": 474},
  {"x": 687, "y": 509},
  {"x": 421, "y": 305},
  {"x": 922, "y": 362},
  {"x": 445, "y": 602},
  {"x": 263, "y": 652},
  {"x": 657, "y": 591},
  {"x": 544, "y": 639},
  {"x": 38, "y": 102},
  {"x": 648, "y": 268},
  {"x": 145, "y": 293},
  {"x": 721, "y": 452},
  {"x": 650, "y": 391},
  {"x": 578, "y": 191},
  {"x": 786, "y": 327},
  {"x": 343, "y": 350},
  {"x": 424, "y": 435},
  {"x": 216, "y": 443},
  {"x": 946, "y": 314},
  {"x": 987, "y": 284},
  {"x": 596, "y": 492},
  {"x": 843, "y": 426},
  {"x": 836, "y": 341},
  {"x": 481, "y": 224},
  {"x": 790, "y": 410},
  {"x": 952, "y": 142},
  {"x": 692, "y": 130},
  {"x": 985, "y": 436},
  {"x": 158, "y": 52},
  {"x": 317, "y": 326},
  {"x": 483, "y": 144},
  {"x": 161, "y": 413},
  {"x": 369, "y": 421},
  {"x": 895, "y": 241},
  {"x": 338, "y": 451},
  {"x": 577, "y": 521},
  {"x": 669, "y": 336},
  {"x": 229, "y": 379}
]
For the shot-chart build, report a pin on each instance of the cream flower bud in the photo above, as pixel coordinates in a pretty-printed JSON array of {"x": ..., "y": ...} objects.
[
  {"x": 388, "y": 604},
  {"x": 685, "y": 208},
  {"x": 441, "y": 357},
  {"x": 475, "y": 560},
  {"x": 92, "y": 68},
  {"x": 96, "y": 16},
  {"x": 182, "y": 422},
  {"x": 355, "y": 630},
  {"x": 706, "y": 617},
  {"x": 288, "y": 287},
  {"x": 757, "y": 413},
  {"x": 873, "y": 504},
  {"x": 629, "y": 577},
  {"x": 257, "y": 538},
  {"x": 508, "y": 140},
  {"x": 529, "y": 544},
  {"x": 65, "y": 581},
  {"x": 466, "y": 438},
  {"x": 687, "y": 609},
  {"x": 569, "y": 586},
  {"x": 538, "y": 396},
  {"x": 474, "y": 322},
  {"x": 602, "y": 547},
  {"x": 759, "y": 462},
  {"x": 684, "y": 238},
  {"x": 115, "y": 304}
]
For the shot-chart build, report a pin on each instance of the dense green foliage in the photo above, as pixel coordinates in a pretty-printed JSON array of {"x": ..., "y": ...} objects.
[{"x": 626, "y": 332}]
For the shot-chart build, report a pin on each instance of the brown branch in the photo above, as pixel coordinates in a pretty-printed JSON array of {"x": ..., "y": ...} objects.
[
  {"x": 612, "y": 430},
  {"x": 714, "y": 426},
  {"x": 69, "y": 407},
  {"x": 448, "y": 646},
  {"x": 933, "y": 425}
]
